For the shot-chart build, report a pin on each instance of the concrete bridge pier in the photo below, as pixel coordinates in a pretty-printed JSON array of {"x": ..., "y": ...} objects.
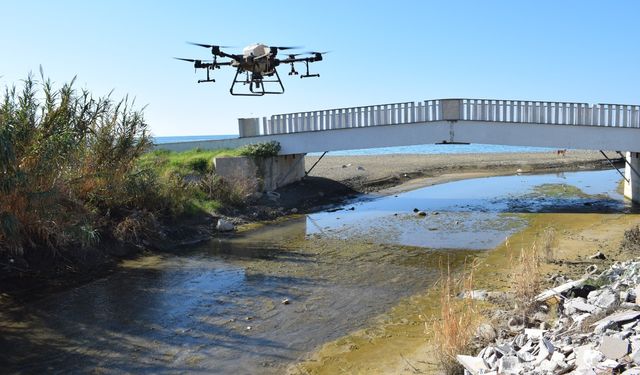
[{"x": 632, "y": 178}]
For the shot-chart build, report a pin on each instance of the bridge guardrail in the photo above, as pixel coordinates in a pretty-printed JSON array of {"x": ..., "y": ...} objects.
[{"x": 490, "y": 110}]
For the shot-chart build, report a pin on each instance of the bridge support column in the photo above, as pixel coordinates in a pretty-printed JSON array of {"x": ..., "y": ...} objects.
[
  {"x": 632, "y": 182},
  {"x": 268, "y": 173}
]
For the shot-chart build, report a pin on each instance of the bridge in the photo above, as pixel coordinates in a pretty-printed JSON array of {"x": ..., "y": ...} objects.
[{"x": 559, "y": 125}]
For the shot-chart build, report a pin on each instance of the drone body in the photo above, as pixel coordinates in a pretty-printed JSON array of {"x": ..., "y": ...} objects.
[{"x": 258, "y": 62}]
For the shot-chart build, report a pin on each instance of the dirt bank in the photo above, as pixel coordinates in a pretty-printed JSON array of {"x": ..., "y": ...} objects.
[{"x": 375, "y": 172}]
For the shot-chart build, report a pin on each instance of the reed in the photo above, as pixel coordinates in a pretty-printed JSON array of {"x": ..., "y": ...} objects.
[{"x": 454, "y": 332}]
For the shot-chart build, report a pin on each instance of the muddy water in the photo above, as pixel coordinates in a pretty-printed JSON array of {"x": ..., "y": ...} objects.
[{"x": 219, "y": 308}]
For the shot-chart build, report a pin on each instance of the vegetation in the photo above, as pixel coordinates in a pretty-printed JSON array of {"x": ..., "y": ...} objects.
[
  {"x": 263, "y": 150},
  {"x": 75, "y": 171},
  {"x": 527, "y": 278},
  {"x": 631, "y": 241},
  {"x": 455, "y": 331}
]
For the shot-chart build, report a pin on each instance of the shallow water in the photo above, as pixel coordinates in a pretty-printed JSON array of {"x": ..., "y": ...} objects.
[
  {"x": 218, "y": 308},
  {"x": 469, "y": 214}
]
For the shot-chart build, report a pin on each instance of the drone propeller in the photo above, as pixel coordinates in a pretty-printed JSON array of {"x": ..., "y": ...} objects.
[
  {"x": 286, "y": 48},
  {"x": 189, "y": 60},
  {"x": 317, "y": 53},
  {"x": 209, "y": 45}
]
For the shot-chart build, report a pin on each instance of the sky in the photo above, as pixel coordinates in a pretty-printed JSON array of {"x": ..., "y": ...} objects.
[{"x": 381, "y": 52}]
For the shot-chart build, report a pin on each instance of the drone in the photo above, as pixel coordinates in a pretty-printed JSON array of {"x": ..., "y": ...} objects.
[{"x": 258, "y": 62}]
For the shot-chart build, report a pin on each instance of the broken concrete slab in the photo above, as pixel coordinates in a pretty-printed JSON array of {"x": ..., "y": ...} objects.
[
  {"x": 613, "y": 347},
  {"x": 475, "y": 365}
]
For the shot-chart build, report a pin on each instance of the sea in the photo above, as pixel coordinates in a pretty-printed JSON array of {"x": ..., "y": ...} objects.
[{"x": 422, "y": 149}]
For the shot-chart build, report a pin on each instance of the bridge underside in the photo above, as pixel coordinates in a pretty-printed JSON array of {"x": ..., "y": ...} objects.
[{"x": 512, "y": 134}]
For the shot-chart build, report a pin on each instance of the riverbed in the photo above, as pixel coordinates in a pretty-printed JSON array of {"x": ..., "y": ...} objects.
[{"x": 264, "y": 299}]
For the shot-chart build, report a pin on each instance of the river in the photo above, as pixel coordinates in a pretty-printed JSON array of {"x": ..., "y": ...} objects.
[{"x": 262, "y": 299}]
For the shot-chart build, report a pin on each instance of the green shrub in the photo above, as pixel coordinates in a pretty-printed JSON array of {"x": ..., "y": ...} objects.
[{"x": 265, "y": 149}]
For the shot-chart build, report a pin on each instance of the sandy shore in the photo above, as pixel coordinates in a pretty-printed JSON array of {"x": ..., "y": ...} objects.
[{"x": 375, "y": 172}]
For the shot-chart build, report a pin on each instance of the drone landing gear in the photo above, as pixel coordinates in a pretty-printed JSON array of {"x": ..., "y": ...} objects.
[
  {"x": 256, "y": 85},
  {"x": 307, "y": 75},
  {"x": 208, "y": 78}
]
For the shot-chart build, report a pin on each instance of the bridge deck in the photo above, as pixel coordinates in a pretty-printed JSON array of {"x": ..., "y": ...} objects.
[{"x": 503, "y": 122}]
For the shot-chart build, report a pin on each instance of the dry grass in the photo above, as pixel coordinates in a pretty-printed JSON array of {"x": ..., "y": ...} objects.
[
  {"x": 548, "y": 240},
  {"x": 526, "y": 277},
  {"x": 454, "y": 332}
]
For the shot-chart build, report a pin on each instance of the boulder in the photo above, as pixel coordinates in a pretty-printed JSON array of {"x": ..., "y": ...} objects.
[{"x": 224, "y": 226}]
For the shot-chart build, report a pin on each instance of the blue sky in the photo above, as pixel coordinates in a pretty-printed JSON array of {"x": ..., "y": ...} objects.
[{"x": 382, "y": 52}]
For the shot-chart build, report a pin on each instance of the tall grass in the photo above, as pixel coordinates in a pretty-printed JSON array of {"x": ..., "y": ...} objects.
[
  {"x": 454, "y": 332},
  {"x": 548, "y": 239},
  {"x": 526, "y": 278},
  {"x": 68, "y": 167}
]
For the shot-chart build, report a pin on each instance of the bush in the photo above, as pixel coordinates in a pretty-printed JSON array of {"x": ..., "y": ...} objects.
[
  {"x": 68, "y": 167},
  {"x": 263, "y": 150}
]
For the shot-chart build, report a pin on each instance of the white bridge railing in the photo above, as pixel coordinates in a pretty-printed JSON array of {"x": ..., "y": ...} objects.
[{"x": 490, "y": 110}]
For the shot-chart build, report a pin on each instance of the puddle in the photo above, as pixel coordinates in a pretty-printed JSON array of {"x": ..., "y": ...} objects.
[{"x": 219, "y": 308}]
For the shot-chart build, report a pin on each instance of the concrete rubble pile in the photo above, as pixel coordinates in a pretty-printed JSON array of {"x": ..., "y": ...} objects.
[{"x": 596, "y": 331}]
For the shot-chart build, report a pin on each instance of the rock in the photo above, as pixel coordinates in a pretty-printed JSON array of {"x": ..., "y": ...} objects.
[
  {"x": 478, "y": 294},
  {"x": 294, "y": 210},
  {"x": 548, "y": 366},
  {"x": 422, "y": 213},
  {"x": 546, "y": 349},
  {"x": 609, "y": 364},
  {"x": 525, "y": 356},
  {"x": 475, "y": 365},
  {"x": 360, "y": 168},
  {"x": 286, "y": 301},
  {"x": 618, "y": 317},
  {"x": 486, "y": 332},
  {"x": 598, "y": 255},
  {"x": 515, "y": 324},
  {"x": 224, "y": 226},
  {"x": 587, "y": 357},
  {"x": 534, "y": 334},
  {"x": 613, "y": 347},
  {"x": 578, "y": 304},
  {"x": 557, "y": 357},
  {"x": 509, "y": 364},
  {"x": 415, "y": 210},
  {"x": 605, "y": 298},
  {"x": 272, "y": 195}
]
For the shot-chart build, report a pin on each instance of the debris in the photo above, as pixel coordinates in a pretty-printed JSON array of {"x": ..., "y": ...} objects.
[{"x": 475, "y": 365}]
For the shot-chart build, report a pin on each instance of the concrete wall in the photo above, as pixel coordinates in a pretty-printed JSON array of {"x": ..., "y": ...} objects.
[{"x": 270, "y": 173}]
